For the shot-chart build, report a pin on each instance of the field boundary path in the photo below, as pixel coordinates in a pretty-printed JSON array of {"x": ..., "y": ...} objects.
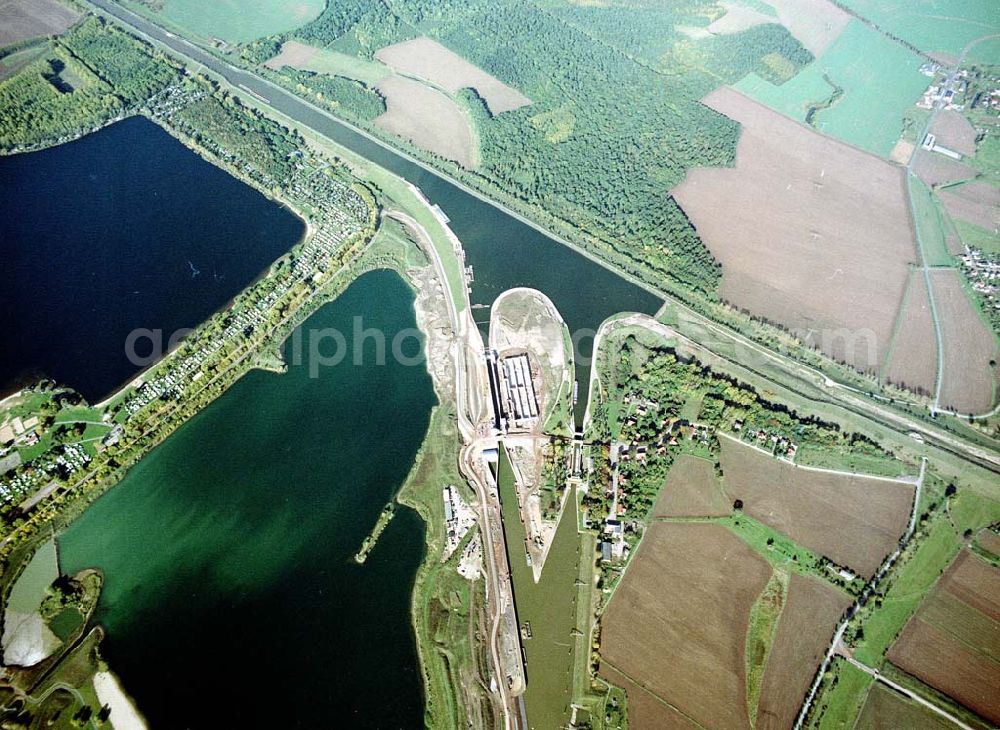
[
  {"x": 879, "y": 677},
  {"x": 836, "y": 645}
]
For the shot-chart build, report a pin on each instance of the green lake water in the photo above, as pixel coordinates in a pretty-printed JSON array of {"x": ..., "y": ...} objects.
[{"x": 231, "y": 597}]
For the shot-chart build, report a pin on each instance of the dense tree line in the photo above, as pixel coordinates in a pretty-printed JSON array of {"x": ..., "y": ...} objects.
[
  {"x": 615, "y": 120},
  {"x": 356, "y": 26},
  {"x": 240, "y": 136},
  {"x": 351, "y": 98},
  {"x": 87, "y": 76},
  {"x": 33, "y": 110},
  {"x": 130, "y": 67}
]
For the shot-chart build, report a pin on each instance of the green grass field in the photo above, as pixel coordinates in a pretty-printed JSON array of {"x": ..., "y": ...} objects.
[
  {"x": 880, "y": 81},
  {"x": 976, "y": 237},
  {"x": 827, "y": 458},
  {"x": 845, "y": 699},
  {"x": 238, "y": 22},
  {"x": 335, "y": 63},
  {"x": 934, "y": 25},
  {"x": 930, "y": 224},
  {"x": 908, "y": 589}
]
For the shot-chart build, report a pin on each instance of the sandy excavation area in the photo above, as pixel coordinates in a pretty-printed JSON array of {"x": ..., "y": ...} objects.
[
  {"x": 428, "y": 59},
  {"x": 812, "y": 234}
]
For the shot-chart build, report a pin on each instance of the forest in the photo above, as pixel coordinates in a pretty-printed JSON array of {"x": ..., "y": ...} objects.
[
  {"x": 87, "y": 76},
  {"x": 615, "y": 121}
]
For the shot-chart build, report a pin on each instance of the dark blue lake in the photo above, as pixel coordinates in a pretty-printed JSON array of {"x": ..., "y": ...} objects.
[{"x": 123, "y": 229}]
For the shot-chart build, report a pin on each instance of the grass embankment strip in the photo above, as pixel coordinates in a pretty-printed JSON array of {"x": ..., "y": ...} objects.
[
  {"x": 843, "y": 702},
  {"x": 761, "y": 629},
  {"x": 914, "y": 579}
]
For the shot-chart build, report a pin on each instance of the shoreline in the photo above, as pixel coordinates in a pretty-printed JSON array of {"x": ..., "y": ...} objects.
[{"x": 125, "y": 713}]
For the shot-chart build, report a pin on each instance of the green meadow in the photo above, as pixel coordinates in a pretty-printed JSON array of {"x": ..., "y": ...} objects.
[
  {"x": 878, "y": 81},
  {"x": 238, "y": 22},
  {"x": 935, "y": 25}
]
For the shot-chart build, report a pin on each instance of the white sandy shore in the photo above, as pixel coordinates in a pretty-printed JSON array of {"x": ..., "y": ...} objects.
[{"x": 124, "y": 715}]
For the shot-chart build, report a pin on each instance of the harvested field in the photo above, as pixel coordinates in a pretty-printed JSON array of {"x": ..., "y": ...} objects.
[
  {"x": 294, "y": 54},
  {"x": 428, "y": 59},
  {"x": 23, "y": 19},
  {"x": 902, "y": 152},
  {"x": 953, "y": 130},
  {"x": 854, "y": 521},
  {"x": 811, "y": 233},
  {"x": 815, "y": 23},
  {"x": 324, "y": 61},
  {"x": 737, "y": 18},
  {"x": 807, "y": 623},
  {"x": 977, "y": 203},
  {"x": 953, "y": 641},
  {"x": 886, "y": 708},
  {"x": 968, "y": 344},
  {"x": 645, "y": 710},
  {"x": 941, "y": 661},
  {"x": 989, "y": 540},
  {"x": 935, "y": 169},
  {"x": 692, "y": 490},
  {"x": 428, "y": 118},
  {"x": 677, "y": 624},
  {"x": 914, "y": 330}
]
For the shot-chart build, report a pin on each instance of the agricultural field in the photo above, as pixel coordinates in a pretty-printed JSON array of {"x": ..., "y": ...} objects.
[
  {"x": 815, "y": 23},
  {"x": 325, "y": 61},
  {"x": 811, "y": 233},
  {"x": 934, "y": 26},
  {"x": 887, "y": 708},
  {"x": 740, "y": 17},
  {"x": 857, "y": 91},
  {"x": 852, "y": 520},
  {"x": 934, "y": 169},
  {"x": 839, "y": 706},
  {"x": 954, "y": 131},
  {"x": 953, "y": 641},
  {"x": 692, "y": 490},
  {"x": 429, "y": 60},
  {"x": 977, "y": 203},
  {"x": 969, "y": 347},
  {"x": 428, "y": 118},
  {"x": 915, "y": 328},
  {"x": 24, "y": 19},
  {"x": 234, "y": 21},
  {"x": 678, "y": 621},
  {"x": 808, "y": 620}
]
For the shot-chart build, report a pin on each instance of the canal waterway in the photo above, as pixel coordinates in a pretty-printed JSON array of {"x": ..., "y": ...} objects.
[
  {"x": 119, "y": 230},
  {"x": 232, "y": 598}
]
